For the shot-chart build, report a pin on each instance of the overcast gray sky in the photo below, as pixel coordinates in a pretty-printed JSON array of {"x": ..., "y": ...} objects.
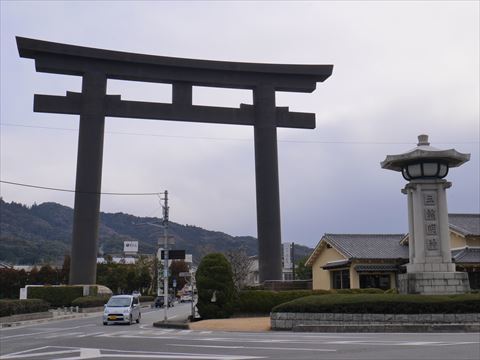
[{"x": 400, "y": 69}]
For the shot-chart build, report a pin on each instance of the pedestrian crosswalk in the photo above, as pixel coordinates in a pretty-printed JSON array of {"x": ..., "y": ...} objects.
[{"x": 143, "y": 333}]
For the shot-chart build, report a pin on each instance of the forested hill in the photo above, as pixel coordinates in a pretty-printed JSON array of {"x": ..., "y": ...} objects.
[{"x": 42, "y": 234}]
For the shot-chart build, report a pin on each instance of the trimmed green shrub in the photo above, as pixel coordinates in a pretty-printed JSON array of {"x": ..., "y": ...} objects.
[
  {"x": 93, "y": 290},
  {"x": 14, "y": 306},
  {"x": 391, "y": 291},
  {"x": 90, "y": 301},
  {"x": 11, "y": 281},
  {"x": 383, "y": 304},
  {"x": 263, "y": 301},
  {"x": 146, "y": 298},
  {"x": 215, "y": 287},
  {"x": 56, "y": 295},
  {"x": 359, "y": 291}
]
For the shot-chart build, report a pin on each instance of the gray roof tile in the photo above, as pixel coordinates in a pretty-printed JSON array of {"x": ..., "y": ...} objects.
[
  {"x": 465, "y": 224},
  {"x": 466, "y": 256},
  {"x": 369, "y": 246}
]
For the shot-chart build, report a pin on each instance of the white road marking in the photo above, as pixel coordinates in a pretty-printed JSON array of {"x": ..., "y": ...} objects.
[
  {"x": 25, "y": 351},
  {"x": 253, "y": 347},
  {"x": 15, "y": 356},
  {"x": 71, "y": 334},
  {"x": 92, "y": 334},
  {"x": 46, "y": 332},
  {"x": 91, "y": 353},
  {"x": 398, "y": 343}
]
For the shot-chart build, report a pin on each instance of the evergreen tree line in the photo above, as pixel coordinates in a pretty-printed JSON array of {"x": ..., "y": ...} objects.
[{"x": 121, "y": 278}]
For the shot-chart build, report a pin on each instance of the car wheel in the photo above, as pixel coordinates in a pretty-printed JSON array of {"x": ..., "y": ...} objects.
[
  {"x": 138, "y": 319},
  {"x": 105, "y": 323}
]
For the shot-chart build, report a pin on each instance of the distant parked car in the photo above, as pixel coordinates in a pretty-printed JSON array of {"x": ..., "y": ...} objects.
[
  {"x": 122, "y": 309},
  {"x": 186, "y": 297},
  {"x": 136, "y": 293},
  {"x": 159, "y": 301}
]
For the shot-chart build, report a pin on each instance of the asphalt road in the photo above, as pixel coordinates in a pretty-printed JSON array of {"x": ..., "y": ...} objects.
[{"x": 87, "y": 338}]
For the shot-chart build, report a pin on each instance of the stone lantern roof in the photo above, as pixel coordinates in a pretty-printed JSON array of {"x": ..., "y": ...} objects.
[{"x": 423, "y": 152}]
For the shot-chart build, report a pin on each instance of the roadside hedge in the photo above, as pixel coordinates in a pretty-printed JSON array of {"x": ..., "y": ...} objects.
[
  {"x": 97, "y": 301},
  {"x": 90, "y": 301},
  {"x": 14, "y": 306},
  {"x": 57, "y": 296},
  {"x": 383, "y": 304},
  {"x": 263, "y": 301}
]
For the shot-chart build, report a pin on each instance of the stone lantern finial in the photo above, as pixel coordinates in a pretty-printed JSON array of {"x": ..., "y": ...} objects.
[{"x": 423, "y": 140}]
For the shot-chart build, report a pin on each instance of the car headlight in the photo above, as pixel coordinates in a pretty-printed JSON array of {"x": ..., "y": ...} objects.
[{"x": 126, "y": 312}]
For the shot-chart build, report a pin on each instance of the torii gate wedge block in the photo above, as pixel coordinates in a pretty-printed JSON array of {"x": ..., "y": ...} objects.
[{"x": 96, "y": 66}]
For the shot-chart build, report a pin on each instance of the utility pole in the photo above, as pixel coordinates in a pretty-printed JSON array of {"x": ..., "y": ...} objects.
[
  {"x": 292, "y": 253},
  {"x": 165, "y": 257}
]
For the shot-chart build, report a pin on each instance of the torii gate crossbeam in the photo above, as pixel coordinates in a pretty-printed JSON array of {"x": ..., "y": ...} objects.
[{"x": 96, "y": 66}]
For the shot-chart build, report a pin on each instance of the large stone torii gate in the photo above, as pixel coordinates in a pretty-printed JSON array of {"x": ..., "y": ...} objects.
[{"x": 95, "y": 66}]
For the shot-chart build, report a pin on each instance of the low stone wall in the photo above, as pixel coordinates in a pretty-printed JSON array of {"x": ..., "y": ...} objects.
[
  {"x": 28, "y": 316},
  {"x": 372, "y": 322}
]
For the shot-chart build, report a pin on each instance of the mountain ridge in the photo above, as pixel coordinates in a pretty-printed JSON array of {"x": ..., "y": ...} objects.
[{"x": 42, "y": 234}]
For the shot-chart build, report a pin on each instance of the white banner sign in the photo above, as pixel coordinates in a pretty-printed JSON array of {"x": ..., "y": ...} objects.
[
  {"x": 287, "y": 256},
  {"x": 130, "y": 246}
]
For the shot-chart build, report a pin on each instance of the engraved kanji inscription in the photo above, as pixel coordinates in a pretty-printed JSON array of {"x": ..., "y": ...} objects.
[
  {"x": 431, "y": 229},
  {"x": 429, "y": 199},
  {"x": 430, "y": 214},
  {"x": 432, "y": 243}
]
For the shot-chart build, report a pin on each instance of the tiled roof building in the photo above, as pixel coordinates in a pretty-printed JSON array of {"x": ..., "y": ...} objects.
[{"x": 375, "y": 260}]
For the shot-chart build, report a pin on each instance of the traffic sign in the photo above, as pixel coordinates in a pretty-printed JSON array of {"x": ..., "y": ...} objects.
[
  {"x": 170, "y": 238},
  {"x": 174, "y": 254}
]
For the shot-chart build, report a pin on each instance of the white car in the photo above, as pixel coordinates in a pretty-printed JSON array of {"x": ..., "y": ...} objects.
[{"x": 122, "y": 309}]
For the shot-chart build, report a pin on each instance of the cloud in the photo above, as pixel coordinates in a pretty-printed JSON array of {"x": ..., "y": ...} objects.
[{"x": 400, "y": 69}]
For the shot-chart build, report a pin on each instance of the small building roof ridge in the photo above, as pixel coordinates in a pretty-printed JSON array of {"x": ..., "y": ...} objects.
[
  {"x": 339, "y": 247},
  {"x": 465, "y": 214}
]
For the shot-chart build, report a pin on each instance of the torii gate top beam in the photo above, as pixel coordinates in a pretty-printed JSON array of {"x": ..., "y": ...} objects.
[{"x": 67, "y": 59}]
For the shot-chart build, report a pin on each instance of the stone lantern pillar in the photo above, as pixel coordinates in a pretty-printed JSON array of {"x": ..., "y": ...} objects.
[{"x": 430, "y": 269}]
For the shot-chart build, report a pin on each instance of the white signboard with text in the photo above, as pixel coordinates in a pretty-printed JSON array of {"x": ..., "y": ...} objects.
[
  {"x": 130, "y": 246},
  {"x": 287, "y": 255}
]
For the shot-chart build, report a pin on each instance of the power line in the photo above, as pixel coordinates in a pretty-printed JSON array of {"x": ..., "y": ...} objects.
[
  {"x": 346, "y": 142},
  {"x": 74, "y": 191}
]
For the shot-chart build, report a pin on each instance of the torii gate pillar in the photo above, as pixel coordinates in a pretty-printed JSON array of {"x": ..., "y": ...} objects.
[{"x": 267, "y": 186}]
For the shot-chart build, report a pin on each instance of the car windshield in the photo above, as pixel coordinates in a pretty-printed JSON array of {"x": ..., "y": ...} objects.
[{"x": 119, "y": 302}]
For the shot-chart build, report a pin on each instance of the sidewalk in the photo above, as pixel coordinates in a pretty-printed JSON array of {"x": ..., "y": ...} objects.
[
  {"x": 38, "y": 318},
  {"x": 247, "y": 324},
  {"x": 250, "y": 324}
]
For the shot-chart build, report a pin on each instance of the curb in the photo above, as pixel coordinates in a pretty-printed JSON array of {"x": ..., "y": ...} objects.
[
  {"x": 171, "y": 325},
  {"x": 38, "y": 318},
  {"x": 46, "y": 319},
  {"x": 387, "y": 328}
]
